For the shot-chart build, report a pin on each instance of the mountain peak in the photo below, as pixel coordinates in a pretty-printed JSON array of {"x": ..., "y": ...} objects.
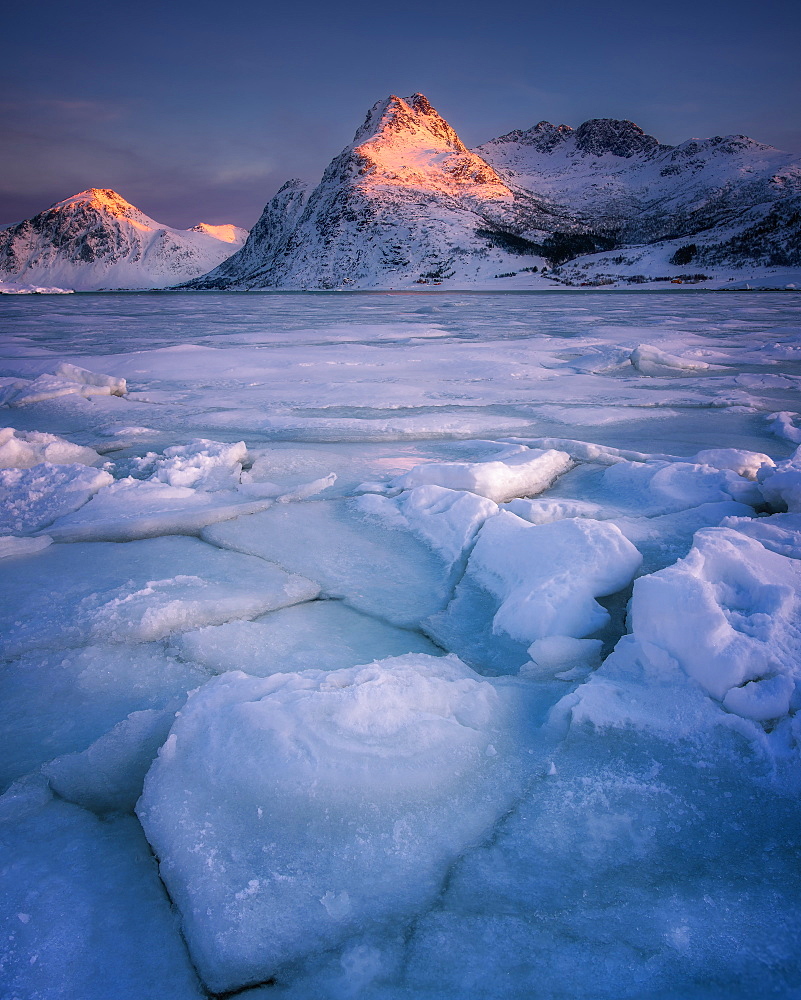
[
  {"x": 542, "y": 136},
  {"x": 104, "y": 199},
  {"x": 611, "y": 135},
  {"x": 407, "y": 118}
]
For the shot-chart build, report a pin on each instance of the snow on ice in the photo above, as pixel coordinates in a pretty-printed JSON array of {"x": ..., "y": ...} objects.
[{"x": 411, "y": 646}]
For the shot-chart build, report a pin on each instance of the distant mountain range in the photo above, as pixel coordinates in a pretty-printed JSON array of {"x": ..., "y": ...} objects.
[
  {"x": 96, "y": 239},
  {"x": 407, "y": 204}
]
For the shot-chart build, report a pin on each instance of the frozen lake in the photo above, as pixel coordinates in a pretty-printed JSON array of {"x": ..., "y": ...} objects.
[{"x": 397, "y": 645}]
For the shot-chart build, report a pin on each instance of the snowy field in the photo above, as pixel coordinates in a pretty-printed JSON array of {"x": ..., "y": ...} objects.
[{"x": 401, "y": 646}]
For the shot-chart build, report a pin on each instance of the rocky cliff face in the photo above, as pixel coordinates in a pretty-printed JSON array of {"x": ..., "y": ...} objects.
[
  {"x": 407, "y": 202},
  {"x": 96, "y": 239}
]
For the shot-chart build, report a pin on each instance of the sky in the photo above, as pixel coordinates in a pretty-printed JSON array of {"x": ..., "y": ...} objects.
[{"x": 200, "y": 111}]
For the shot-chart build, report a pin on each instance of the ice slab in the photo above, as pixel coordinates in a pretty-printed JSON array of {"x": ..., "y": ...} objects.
[
  {"x": 715, "y": 643},
  {"x": 56, "y": 703},
  {"x": 380, "y": 571},
  {"x": 292, "y": 811},
  {"x": 319, "y": 635},
  {"x": 548, "y": 576},
  {"x": 65, "y": 380},
  {"x": 11, "y": 545},
  {"x": 135, "y": 591},
  {"x": 785, "y": 424},
  {"x": 744, "y": 463},
  {"x": 780, "y": 532},
  {"x": 728, "y": 614},
  {"x": 109, "y": 774},
  {"x": 653, "y": 361},
  {"x": 131, "y": 508},
  {"x": 523, "y": 474},
  {"x": 32, "y": 498},
  {"x": 547, "y": 510},
  {"x": 22, "y": 449},
  {"x": 85, "y": 914},
  {"x": 667, "y": 537}
]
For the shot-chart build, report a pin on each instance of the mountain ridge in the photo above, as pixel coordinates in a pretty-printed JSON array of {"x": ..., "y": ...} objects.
[{"x": 408, "y": 202}]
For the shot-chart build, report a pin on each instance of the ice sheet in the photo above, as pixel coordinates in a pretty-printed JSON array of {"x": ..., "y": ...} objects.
[{"x": 646, "y": 846}]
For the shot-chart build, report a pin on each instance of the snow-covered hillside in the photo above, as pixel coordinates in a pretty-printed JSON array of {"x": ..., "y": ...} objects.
[
  {"x": 406, "y": 203},
  {"x": 96, "y": 239}
]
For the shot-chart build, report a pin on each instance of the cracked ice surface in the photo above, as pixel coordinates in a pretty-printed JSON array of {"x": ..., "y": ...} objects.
[{"x": 441, "y": 646}]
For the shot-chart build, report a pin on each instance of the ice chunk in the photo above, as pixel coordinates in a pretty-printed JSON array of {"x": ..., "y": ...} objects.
[
  {"x": 446, "y": 520},
  {"x": 10, "y": 545},
  {"x": 744, "y": 463},
  {"x": 667, "y": 537},
  {"x": 522, "y": 474},
  {"x": 66, "y": 380},
  {"x": 21, "y": 450},
  {"x": 136, "y": 592},
  {"x": 524, "y": 582},
  {"x": 58, "y": 703},
  {"x": 725, "y": 618},
  {"x": 547, "y": 577},
  {"x": 132, "y": 508},
  {"x": 33, "y": 498},
  {"x": 201, "y": 464},
  {"x": 82, "y": 376},
  {"x": 108, "y": 775},
  {"x": 782, "y": 486},
  {"x": 306, "y": 490},
  {"x": 727, "y": 614},
  {"x": 546, "y": 511},
  {"x": 291, "y": 811},
  {"x": 761, "y": 700},
  {"x": 562, "y": 655},
  {"x": 651, "y": 361},
  {"x": 324, "y": 635},
  {"x": 663, "y": 487},
  {"x": 785, "y": 425},
  {"x": 780, "y": 532},
  {"x": 376, "y": 570},
  {"x": 85, "y": 913}
]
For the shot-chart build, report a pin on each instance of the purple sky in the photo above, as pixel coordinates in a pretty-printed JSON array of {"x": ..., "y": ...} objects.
[{"x": 199, "y": 111}]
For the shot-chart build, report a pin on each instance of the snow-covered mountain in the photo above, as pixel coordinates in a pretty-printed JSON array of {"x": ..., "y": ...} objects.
[
  {"x": 96, "y": 239},
  {"x": 741, "y": 198},
  {"x": 407, "y": 202}
]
